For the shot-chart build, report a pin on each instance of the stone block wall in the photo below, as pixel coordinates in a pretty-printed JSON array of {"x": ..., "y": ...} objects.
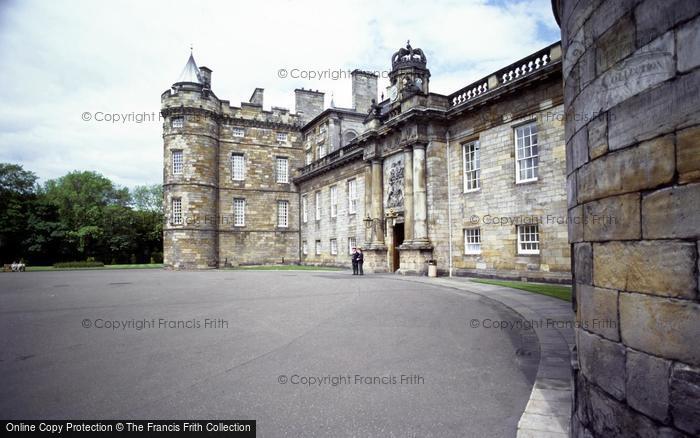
[
  {"x": 207, "y": 237},
  {"x": 343, "y": 226},
  {"x": 191, "y": 244},
  {"x": 500, "y": 203},
  {"x": 260, "y": 240},
  {"x": 632, "y": 81}
]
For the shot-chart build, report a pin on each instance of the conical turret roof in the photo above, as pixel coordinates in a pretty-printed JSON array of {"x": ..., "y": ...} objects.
[{"x": 190, "y": 73}]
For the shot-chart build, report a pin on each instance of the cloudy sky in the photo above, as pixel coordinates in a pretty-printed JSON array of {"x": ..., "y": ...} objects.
[{"x": 65, "y": 58}]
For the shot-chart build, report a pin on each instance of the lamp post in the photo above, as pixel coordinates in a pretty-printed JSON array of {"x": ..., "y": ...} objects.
[{"x": 368, "y": 227}]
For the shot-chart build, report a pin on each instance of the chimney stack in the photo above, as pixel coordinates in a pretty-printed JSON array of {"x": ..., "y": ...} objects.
[
  {"x": 205, "y": 73},
  {"x": 308, "y": 103},
  {"x": 364, "y": 89},
  {"x": 257, "y": 97}
]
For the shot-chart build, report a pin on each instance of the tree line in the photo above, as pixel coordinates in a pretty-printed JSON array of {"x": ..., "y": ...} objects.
[{"x": 77, "y": 217}]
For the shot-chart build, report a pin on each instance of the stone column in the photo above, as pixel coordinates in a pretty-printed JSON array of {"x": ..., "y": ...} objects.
[
  {"x": 408, "y": 194},
  {"x": 368, "y": 200},
  {"x": 420, "y": 200},
  {"x": 377, "y": 202},
  {"x": 631, "y": 86}
]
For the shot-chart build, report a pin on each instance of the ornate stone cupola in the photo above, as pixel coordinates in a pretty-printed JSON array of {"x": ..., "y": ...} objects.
[{"x": 409, "y": 73}]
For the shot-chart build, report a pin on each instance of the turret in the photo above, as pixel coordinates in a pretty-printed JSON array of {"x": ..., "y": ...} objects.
[{"x": 190, "y": 181}]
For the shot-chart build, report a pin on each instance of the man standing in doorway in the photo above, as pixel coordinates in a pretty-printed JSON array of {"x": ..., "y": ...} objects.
[
  {"x": 354, "y": 260},
  {"x": 360, "y": 260}
]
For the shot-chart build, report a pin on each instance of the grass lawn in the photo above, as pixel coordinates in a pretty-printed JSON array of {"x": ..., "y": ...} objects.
[
  {"x": 285, "y": 268},
  {"x": 51, "y": 268},
  {"x": 553, "y": 290}
]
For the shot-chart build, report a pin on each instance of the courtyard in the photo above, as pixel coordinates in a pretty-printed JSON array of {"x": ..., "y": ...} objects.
[{"x": 303, "y": 353}]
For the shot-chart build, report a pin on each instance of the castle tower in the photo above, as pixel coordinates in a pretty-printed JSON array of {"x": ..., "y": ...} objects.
[{"x": 190, "y": 175}]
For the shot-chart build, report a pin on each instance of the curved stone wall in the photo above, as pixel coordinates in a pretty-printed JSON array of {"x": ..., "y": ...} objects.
[{"x": 631, "y": 90}]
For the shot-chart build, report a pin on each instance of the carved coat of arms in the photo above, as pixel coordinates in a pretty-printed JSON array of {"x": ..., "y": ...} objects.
[{"x": 395, "y": 198}]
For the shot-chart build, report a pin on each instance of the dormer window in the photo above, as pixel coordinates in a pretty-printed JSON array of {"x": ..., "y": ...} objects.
[{"x": 177, "y": 122}]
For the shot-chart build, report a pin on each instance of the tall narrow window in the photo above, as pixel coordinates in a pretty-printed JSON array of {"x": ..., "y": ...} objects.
[
  {"x": 352, "y": 196},
  {"x": 238, "y": 167},
  {"x": 304, "y": 248},
  {"x": 472, "y": 166},
  {"x": 176, "y": 211},
  {"x": 526, "y": 153},
  {"x": 282, "y": 170},
  {"x": 472, "y": 241},
  {"x": 282, "y": 214},
  {"x": 318, "y": 247},
  {"x": 309, "y": 157},
  {"x": 177, "y": 162},
  {"x": 334, "y": 201},
  {"x": 334, "y": 246},
  {"x": 321, "y": 150},
  {"x": 304, "y": 209},
  {"x": 239, "y": 212},
  {"x": 352, "y": 243},
  {"x": 528, "y": 239},
  {"x": 317, "y": 204}
]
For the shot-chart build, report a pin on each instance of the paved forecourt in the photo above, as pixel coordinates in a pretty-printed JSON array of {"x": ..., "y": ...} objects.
[{"x": 303, "y": 353}]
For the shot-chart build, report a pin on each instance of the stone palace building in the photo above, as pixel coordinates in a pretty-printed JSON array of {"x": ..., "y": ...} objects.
[{"x": 475, "y": 180}]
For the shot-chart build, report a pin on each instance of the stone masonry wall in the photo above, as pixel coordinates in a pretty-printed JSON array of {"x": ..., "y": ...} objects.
[
  {"x": 632, "y": 81},
  {"x": 260, "y": 240},
  {"x": 500, "y": 204},
  {"x": 207, "y": 237},
  {"x": 341, "y": 227},
  {"x": 193, "y": 243}
]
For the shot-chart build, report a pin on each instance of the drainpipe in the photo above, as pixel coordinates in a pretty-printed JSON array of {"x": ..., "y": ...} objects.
[
  {"x": 299, "y": 252},
  {"x": 449, "y": 201}
]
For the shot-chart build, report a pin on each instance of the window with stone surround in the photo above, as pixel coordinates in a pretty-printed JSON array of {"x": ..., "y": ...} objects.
[
  {"x": 177, "y": 122},
  {"x": 334, "y": 201},
  {"x": 352, "y": 196},
  {"x": 321, "y": 150},
  {"x": 472, "y": 241},
  {"x": 282, "y": 170},
  {"x": 237, "y": 167},
  {"x": 352, "y": 243},
  {"x": 317, "y": 205},
  {"x": 471, "y": 155},
  {"x": 526, "y": 153},
  {"x": 177, "y": 162},
  {"x": 334, "y": 246},
  {"x": 304, "y": 248},
  {"x": 176, "y": 211},
  {"x": 239, "y": 212},
  {"x": 282, "y": 137},
  {"x": 528, "y": 239},
  {"x": 304, "y": 209},
  {"x": 309, "y": 157},
  {"x": 318, "y": 247},
  {"x": 238, "y": 132},
  {"x": 283, "y": 214}
]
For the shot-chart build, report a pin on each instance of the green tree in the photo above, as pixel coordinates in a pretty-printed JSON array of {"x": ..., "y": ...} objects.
[
  {"x": 148, "y": 198},
  {"x": 81, "y": 199},
  {"x": 17, "y": 190}
]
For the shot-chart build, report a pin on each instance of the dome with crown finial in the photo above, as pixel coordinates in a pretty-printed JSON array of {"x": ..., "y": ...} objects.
[{"x": 408, "y": 57}]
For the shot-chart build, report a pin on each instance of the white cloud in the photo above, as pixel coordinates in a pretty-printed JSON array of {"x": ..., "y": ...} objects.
[{"x": 64, "y": 58}]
